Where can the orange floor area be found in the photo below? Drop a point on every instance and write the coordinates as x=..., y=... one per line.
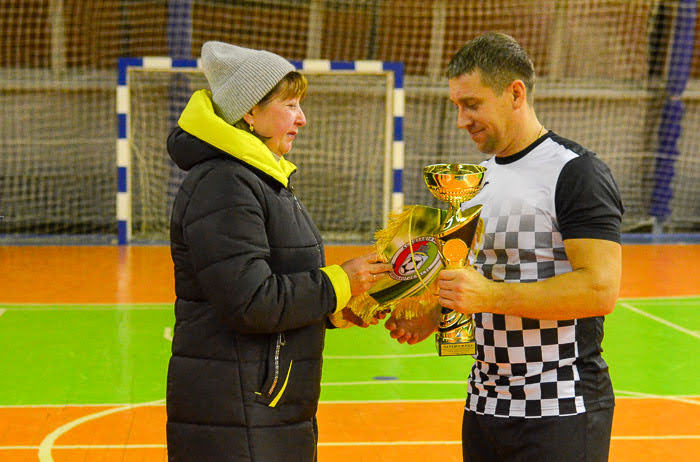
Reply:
x=644, y=430
x=144, y=274
x=390, y=432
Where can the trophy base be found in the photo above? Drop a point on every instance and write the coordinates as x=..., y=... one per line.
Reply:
x=455, y=349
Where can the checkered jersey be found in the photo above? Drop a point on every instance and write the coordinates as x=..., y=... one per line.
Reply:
x=526, y=367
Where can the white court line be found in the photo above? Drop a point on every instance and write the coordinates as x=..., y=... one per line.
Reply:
x=168, y=335
x=388, y=443
x=394, y=401
x=84, y=307
x=85, y=446
x=660, y=320
x=47, y=444
x=338, y=443
x=416, y=355
x=2, y=311
x=637, y=394
x=160, y=402
x=675, y=298
x=169, y=305
x=393, y=382
x=110, y=446
x=663, y=437
x=427, y=443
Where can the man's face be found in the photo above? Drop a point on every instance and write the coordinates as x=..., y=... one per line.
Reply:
x=483, y=113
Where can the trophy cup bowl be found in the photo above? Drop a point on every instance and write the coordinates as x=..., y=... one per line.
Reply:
x=454, y=184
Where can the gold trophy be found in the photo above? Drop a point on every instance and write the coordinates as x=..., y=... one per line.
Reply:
x=454, y=184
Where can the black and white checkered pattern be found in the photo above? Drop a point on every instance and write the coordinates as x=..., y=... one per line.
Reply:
x=524, y=367
x=520, y=244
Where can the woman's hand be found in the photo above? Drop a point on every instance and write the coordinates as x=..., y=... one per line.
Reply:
x=363, y=272
x=414, y=330
x=352, y=318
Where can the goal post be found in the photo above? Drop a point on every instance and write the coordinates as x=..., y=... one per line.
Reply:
x=350, y=155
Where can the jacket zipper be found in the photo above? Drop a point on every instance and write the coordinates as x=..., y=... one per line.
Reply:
x=296, y=201
x=281, y=341
x=291, y=189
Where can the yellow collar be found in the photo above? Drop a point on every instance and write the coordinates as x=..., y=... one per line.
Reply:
x=200, y=120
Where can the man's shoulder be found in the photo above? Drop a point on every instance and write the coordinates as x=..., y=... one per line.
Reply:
x=577, y=160
x=572, y=146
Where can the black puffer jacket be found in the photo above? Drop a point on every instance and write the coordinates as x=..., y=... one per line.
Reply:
x=252, y=300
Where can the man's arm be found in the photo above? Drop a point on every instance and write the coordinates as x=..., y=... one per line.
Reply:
x=590, y=289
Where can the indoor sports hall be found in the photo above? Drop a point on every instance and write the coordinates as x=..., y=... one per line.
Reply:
x=89, y=91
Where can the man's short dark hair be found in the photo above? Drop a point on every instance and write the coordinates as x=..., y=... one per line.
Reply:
x=498, y=57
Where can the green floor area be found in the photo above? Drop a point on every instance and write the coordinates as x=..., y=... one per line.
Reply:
x=101, y=354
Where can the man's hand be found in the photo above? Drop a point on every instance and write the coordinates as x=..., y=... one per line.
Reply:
x=591, y=289
x=414, y=330
x=464, y=290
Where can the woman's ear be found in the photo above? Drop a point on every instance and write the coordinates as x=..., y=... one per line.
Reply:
x=248, y=117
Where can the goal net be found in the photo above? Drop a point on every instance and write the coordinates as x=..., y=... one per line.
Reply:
x=621, y=77
x=342, y=154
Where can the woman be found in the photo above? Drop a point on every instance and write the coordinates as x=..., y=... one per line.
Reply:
x=253, y=294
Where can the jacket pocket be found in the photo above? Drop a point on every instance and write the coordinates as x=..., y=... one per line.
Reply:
x=278, y=372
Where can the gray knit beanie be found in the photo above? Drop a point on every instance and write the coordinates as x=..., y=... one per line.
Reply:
x=240, y=77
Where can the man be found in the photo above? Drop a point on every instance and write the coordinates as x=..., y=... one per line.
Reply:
x=548, y=273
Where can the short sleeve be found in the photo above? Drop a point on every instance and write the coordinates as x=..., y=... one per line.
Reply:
x=587, y=200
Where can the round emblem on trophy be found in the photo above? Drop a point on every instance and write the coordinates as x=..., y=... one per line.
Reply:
x=420, y=256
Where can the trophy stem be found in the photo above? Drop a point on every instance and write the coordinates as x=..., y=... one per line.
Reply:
x=455, y=334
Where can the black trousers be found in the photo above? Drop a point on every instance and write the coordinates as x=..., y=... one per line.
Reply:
x=578, y=438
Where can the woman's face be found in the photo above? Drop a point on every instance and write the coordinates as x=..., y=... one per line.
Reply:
x=278, y=122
